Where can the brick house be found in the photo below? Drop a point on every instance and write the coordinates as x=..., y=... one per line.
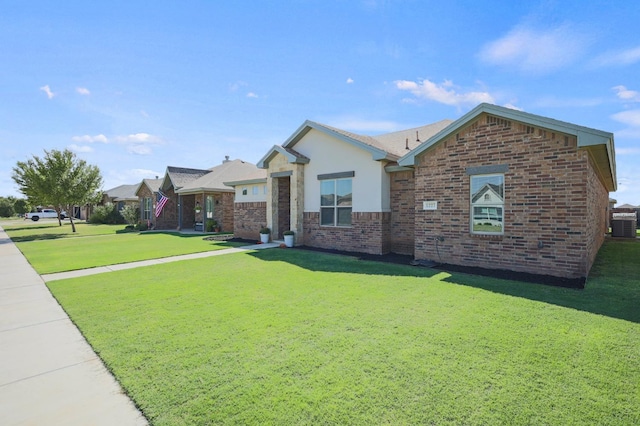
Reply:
x=497, y=188
x=198, y=195
x=121, y=196
x=147, y=194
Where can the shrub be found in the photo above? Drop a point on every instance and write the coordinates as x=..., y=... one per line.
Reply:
x=211, y=225
x=288, y=233
x=131, y=214
x=107, y=214
x=142, y=226
x=265, y=231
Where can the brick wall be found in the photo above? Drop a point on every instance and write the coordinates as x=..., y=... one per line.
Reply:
x=226, y=205
x=368, y=233
x=143, y=193
x=597, y=215
x=546, y=198
x=248, y=219
x=169, y=217
x=402, y=212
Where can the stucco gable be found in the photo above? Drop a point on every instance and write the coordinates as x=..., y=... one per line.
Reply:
x=600, y=144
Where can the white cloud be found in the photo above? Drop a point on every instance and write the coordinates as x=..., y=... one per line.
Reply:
x=627, y=151
x=512, y=106
x=237, y=85
x=349, y=80
x=90, y=139
x=139, y=149
x=144, y=113
x=535, y=50
x=46, y=89
x=619, y=58
x=251, y=95
x=138, y=138
x=80, y=148
x=444, y=93
x=83, y=91
x=626, y=95
x=630, y=118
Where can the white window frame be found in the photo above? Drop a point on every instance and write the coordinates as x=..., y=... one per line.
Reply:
x=494, y=209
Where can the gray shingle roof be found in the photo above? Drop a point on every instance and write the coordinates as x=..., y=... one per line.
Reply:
x=181, y=176
x=229, y=171
x=122, y=193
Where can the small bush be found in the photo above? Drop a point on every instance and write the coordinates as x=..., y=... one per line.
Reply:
x=211, y=225
x=265, y=231
x=107, y=215
x=131, y=214
x=142, y=226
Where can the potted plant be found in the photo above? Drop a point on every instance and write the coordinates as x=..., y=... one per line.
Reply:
x=288, y=238
x=264, y=234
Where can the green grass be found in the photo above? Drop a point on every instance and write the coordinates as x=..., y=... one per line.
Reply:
x=51, y=230
x=293, y=337
x=52, y=250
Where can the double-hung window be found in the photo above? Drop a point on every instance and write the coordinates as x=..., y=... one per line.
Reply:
x=146, y=208
x=487, y=204
x=335, y=202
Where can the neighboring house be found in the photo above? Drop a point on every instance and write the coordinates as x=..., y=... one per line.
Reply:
x=121, y=196
x=498, y=188
x=197, y=195
x=211, y=197
x=147, y=194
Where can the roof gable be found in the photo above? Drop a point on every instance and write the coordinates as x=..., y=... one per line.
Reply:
x=152, y=184
x=180, y=176
x=599, y=143
x=214, y=180
x=291, y=155
x=367, y=143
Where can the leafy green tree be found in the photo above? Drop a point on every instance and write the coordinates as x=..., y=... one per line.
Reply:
x=6, y=207
x=58, y=179
x=21, y=206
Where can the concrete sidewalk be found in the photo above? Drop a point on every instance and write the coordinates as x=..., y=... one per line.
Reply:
x=48, y=372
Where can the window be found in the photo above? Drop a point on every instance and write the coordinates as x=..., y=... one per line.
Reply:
x=335, y=202
x=487, y=204
x=254, y=190
x=244, y=191
x=264, y=189
x=209, y=206
x=146, y=208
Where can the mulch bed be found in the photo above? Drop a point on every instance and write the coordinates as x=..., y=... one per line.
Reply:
x=403, y=259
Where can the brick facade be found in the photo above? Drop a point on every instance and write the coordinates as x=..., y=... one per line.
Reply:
x=402, y=222
x=368, y=233
x=248, y=219
x=554, y=204
x=168, y=219
x=143, y=193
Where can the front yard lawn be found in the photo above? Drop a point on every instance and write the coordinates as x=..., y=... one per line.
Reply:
x=50, y=252
x=296, y=337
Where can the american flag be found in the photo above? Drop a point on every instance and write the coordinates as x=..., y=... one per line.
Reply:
x=161, y=201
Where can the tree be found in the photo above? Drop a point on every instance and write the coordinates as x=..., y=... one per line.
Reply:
x=59, y=179
x=6, y=207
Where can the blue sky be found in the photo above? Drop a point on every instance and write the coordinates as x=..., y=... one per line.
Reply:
x=134, y=86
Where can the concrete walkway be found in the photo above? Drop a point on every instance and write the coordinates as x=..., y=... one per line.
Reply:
x=121, y=266
x=48, y=372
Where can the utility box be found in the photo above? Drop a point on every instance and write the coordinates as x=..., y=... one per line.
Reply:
x=623, y=225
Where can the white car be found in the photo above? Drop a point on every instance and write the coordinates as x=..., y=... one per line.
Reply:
x=45, y=213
